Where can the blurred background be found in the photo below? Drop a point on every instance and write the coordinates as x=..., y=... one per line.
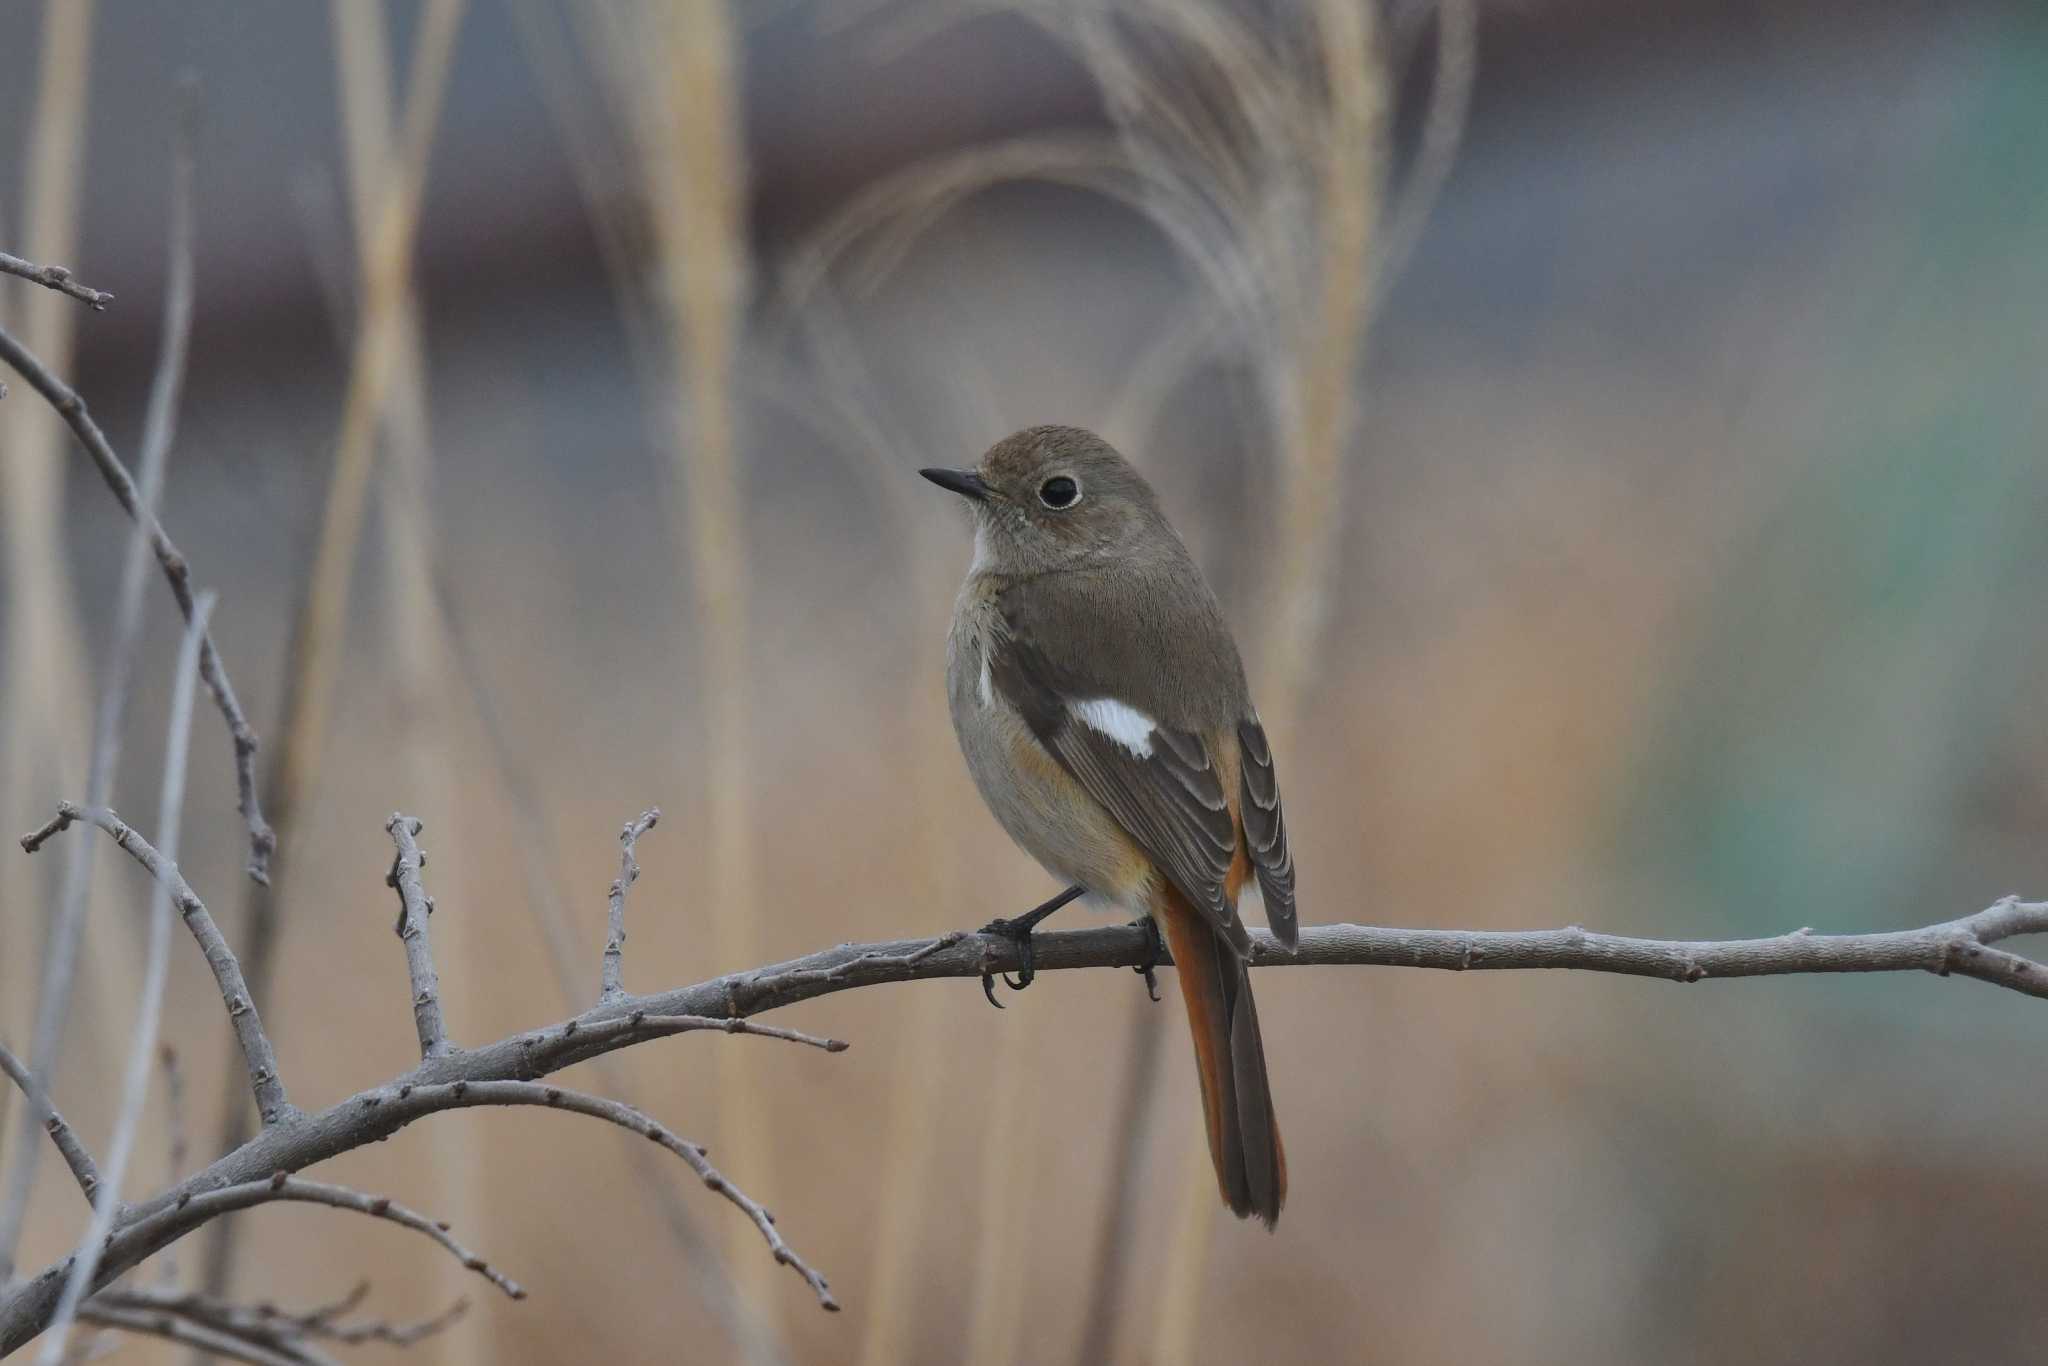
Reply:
x=1616, y=434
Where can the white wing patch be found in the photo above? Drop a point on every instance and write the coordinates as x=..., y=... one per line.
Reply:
x=1124, y=724
x=985, y=686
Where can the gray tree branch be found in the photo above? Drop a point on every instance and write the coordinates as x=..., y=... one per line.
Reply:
x=414, y=906
x=257, y=1052
x=257, y=1171
x=54, y=277
x=70, y=407
x=83, y=1168
x=613, y=984
x=265, y=1328
x=131, y=1313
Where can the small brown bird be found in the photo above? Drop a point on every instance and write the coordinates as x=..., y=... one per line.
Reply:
x=1102, y=708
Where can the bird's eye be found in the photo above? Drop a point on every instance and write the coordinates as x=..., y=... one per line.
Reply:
x=1059, y=492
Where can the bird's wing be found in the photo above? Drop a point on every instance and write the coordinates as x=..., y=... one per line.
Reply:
x=1157, y=779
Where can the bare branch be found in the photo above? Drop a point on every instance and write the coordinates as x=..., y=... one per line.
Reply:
x=319, y=1315
x=150, y=1004
x=629, y=873
x=267, y=1328
x=414, y=906
x=257, y=1052
x=131, y=1312
x=378, y=1330
x=69, y=406
x=1965, y=947
x=462, y=1094
x=182, y=1215
x=83, y=1169
x=57, y=278
x=640, y=1026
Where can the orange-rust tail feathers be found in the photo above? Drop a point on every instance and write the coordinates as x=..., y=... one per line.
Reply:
x=1237, y=1102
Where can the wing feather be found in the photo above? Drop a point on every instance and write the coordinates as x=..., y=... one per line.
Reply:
x=1265, y=829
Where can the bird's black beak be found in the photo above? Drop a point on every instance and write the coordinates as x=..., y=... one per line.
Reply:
x=966, y=483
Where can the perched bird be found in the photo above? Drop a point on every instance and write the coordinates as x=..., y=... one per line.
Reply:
x=1102, y=708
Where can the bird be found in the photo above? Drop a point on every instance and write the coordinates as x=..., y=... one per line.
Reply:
x=1102, y=708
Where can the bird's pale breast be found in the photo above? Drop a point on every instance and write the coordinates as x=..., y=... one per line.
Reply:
x=1044, y=810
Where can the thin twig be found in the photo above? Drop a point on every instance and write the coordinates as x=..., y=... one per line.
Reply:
x=283, y=1331
x=57, y=278
x=319, y=1314
x=69, y=406
x=392, y=1334
x=257, y=1052
x=150, y=1004
x=629, y=873
x=83, y=1169
x=639, y=1025
x=414, y=907
x=131, y=1313
x=463, y=1094
x=181, y=1216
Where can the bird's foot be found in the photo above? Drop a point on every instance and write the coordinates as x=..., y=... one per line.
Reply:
x=1155, y=950
x=1018, y=932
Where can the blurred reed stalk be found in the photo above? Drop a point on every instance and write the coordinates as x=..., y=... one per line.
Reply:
x=385, y=243
x=425, y=730
x=677, y=65
x=44, y=717
x=45, y=721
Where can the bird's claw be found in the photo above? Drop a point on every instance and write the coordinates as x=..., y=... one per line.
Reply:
x=1155, y=949
x=1018, y=932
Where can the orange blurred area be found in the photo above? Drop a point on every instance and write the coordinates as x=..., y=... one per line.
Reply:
x=1615, y=434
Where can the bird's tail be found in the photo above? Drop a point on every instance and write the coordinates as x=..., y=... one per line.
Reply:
x=1237, y=1102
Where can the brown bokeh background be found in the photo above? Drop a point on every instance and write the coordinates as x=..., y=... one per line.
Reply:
x=1649, y=541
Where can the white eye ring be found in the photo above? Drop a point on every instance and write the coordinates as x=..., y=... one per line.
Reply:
x=1072, y=490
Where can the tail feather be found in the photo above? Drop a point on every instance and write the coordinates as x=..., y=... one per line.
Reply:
x=1237, y=1100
